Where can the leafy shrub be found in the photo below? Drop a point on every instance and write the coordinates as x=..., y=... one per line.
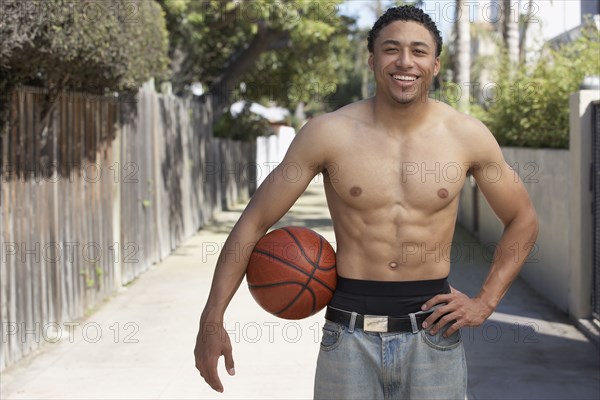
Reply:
x=93, y=46
x=529, y=106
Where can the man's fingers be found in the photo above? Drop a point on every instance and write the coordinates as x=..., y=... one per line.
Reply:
x=213, y=342
x=436, y=315
x=211, y=375
x=453, y=328
x=213, y=380
x=445, y=320
x=440, y=298
x=229, y=365
x=431, y=319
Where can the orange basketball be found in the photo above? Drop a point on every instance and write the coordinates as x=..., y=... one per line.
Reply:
x=291, y=272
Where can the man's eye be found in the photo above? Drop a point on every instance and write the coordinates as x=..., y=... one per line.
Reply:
x=390, y=50
x=420, y=51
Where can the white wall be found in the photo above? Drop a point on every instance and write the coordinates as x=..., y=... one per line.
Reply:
x=270, y=151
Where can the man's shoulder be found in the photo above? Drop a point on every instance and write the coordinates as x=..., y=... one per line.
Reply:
x=359, y=110
x=348, y=114
x=338, y=122
x=463, y=125
x=323, y=135
x=474, y=136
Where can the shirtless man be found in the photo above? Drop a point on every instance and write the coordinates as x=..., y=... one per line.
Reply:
x=393, y=168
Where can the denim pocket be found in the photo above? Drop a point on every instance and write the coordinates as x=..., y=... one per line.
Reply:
x=332, y=336
x=439, y=342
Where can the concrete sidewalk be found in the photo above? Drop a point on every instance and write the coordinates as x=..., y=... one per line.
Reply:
x=139, y=343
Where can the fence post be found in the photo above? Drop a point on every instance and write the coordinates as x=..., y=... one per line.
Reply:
x=580, y=235
x=116, y=217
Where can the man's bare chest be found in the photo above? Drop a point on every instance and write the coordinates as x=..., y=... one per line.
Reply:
x=424, y=175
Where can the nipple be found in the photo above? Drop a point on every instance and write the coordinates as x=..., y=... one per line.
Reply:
x=355, y=191
x=443, y=193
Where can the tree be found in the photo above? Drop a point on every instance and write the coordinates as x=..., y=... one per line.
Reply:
x=110, y=45
x=524, y=22
x=96, y=47
x=255, y=49
x=353, y=81
x=462, y=63
x=510, y=29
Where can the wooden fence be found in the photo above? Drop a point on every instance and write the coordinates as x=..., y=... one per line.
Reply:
x=95, y=196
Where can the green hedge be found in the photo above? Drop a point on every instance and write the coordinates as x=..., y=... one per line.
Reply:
x=93, y=46
x=529, y=106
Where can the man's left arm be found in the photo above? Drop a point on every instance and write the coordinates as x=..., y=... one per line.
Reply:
x=509, y=200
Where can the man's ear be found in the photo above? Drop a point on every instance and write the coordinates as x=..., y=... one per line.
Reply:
x=371, y=61
x=437, y=66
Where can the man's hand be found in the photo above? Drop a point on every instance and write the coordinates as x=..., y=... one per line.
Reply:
x=459, y=308
x=213, y=342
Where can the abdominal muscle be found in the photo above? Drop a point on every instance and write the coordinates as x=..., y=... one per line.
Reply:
x=389, y=244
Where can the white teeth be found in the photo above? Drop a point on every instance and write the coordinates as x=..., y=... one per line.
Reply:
x=404, y=78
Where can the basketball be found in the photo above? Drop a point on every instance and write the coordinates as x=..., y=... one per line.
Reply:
x=291, y=272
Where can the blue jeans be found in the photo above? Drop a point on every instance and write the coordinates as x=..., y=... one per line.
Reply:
x=354, y=364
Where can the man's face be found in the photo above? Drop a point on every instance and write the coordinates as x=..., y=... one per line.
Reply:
x=404, y=61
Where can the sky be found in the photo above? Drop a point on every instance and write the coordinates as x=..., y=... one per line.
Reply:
x=552, y=17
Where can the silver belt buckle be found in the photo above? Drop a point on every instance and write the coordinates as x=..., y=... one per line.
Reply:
x=375, y=323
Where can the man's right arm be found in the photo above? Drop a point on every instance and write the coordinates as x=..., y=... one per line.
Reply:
x=306, y=157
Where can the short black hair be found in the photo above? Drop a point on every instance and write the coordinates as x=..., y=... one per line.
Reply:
x=405, y=13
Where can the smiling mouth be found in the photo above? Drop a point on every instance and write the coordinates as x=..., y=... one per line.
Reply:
x=405, y=78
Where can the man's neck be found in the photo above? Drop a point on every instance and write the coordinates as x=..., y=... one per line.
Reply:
x=400, y=119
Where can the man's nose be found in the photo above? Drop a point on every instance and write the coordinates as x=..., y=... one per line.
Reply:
x=404, y=59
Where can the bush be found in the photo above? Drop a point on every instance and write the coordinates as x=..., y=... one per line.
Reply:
x=530, y=107
x=93, y=46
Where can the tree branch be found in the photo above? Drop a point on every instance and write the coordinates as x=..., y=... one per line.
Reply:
x=222, y=89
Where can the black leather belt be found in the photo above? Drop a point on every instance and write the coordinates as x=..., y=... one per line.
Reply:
x=378, y=323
